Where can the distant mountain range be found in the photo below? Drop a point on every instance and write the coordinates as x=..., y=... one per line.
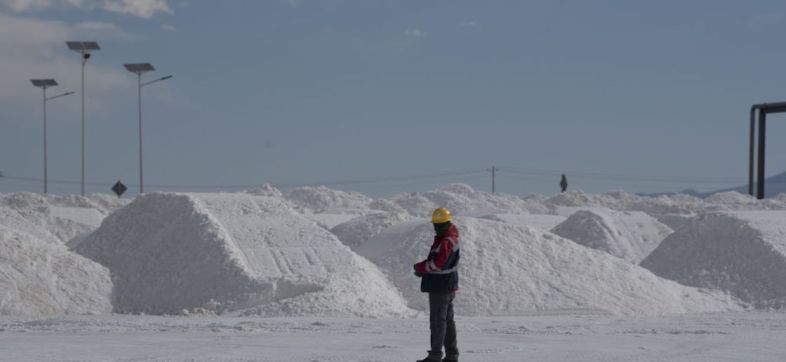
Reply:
x=772, y=187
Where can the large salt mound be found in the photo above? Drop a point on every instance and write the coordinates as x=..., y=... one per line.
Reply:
x=461, y=198
x=39, y=277
x=507, y=269
x=225, y=252
x=325, y=200
x=742, y=252
x=630, y=235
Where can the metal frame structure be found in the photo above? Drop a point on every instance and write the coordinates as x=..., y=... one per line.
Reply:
x=44, y=84
x=84, y=48
x=138, y=69
x=763, y=110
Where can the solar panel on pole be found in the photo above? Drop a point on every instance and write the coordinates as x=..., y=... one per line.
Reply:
x=41, y=83
x=84, y=48
x=139, y=67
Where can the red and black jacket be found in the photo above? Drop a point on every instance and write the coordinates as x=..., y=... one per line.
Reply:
x=440, y=269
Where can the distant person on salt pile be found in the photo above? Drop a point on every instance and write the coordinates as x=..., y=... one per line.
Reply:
x=563, y=183
x=439, y=273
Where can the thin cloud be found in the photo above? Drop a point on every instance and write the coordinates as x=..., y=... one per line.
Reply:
x=96, y=25
x=36, y=49
x=139, y=8
x=168, y=28
x=26, y=5
x=415, y=32
x=100, y=28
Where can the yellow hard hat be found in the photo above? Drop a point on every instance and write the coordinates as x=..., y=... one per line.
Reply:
x=441, y=215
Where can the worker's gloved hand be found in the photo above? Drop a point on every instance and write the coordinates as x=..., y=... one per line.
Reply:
x=418, y=274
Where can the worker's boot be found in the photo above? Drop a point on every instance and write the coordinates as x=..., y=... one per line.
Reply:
x=431, y=358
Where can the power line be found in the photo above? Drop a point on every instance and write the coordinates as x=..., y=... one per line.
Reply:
x=623, y=177
x=611, y=178
x=374, y=180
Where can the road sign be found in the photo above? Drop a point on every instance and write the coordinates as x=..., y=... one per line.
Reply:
x=119, y=188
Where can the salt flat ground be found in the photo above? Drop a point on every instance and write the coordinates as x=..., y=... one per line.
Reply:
x=567, y=336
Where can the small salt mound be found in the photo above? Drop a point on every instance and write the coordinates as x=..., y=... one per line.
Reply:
x=45, y=278
x=742, y=252
x=266, y=190
x=328, y=220
x=228, y=252
x=386, y=205
x=53, y=218
x=733, y=200
x=507, y=269
x=461, y=198
x=575, y=198
x=357, y=231
x=325, y=200
x=630, y=235
x=618, y=200
x=543, y=222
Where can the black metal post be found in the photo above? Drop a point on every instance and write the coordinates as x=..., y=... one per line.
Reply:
x=493, y=179
x=751, y=150
x=762, y=138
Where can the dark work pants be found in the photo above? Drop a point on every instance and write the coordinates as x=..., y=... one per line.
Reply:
x=443, y=328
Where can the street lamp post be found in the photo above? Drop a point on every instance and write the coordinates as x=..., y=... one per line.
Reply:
x=138, y=69
x=44, y=84
x=84, y=48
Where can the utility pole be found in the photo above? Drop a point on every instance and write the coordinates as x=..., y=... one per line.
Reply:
x=84, y=48
x=493, y=179
x=44, y=84
x=138, y=69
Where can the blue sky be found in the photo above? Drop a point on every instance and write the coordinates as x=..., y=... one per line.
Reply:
x=633, y=95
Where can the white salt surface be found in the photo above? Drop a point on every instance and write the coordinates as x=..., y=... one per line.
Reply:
x=630, y=235
x=508, y=269
x=559, y=337
x=232, y=252
x=742, y=252
x=45, y=278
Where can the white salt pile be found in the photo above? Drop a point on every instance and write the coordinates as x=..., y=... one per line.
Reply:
x=325, y=200
x=52, y=218
x=357, y=231
x=39, y=277
x=507, y=269
x=630, y=235
x=570, y=201
x=229, y=252
x=742, y=252
x=543, y=222
x=460, y=198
